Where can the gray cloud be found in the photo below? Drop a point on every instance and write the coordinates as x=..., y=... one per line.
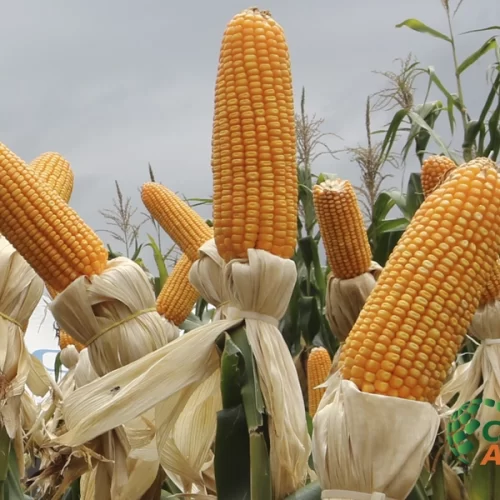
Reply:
x=114, y=85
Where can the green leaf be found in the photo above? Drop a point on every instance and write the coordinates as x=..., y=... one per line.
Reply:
x=469, y=61
x=311, y=491
x=418, y=492
x=385, y=244
x=392, y=225
x=400, y=201
x=159, y=261
x=57, y=366
x=438, y=483
x=494, y=130
x=309, y=318
x=417, y=119
x=489, y=28
x=232, y=468
x=382, y=206
x=414, y=194
x=232, y=368
x=392, y=131
x=419, y=26
x=307, y=247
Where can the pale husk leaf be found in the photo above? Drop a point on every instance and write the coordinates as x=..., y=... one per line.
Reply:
x=259, y=290
x=345, y=299
x=206, y=275
x=20, y=292
x=185, y=443
x=142, y=384
x=122, y=300
x=371, y=443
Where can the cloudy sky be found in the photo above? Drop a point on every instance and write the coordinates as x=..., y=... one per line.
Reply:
x=114, y=85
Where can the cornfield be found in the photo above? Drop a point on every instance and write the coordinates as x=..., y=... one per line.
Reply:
x=254, y=368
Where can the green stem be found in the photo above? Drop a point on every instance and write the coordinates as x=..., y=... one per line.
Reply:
x=4, y=460
x=463, y=112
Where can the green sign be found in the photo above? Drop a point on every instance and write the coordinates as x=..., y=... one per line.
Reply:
x=463, y=424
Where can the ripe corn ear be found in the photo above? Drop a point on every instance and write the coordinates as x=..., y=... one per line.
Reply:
x=433, y=170
x=56, y=172
x=50, y=235
x=188, y=230
x=492, y=290
x=177, y=297
x=318, y=368
x=342, y=228
x=65, y=340
x=414, y=321
x=254, y=166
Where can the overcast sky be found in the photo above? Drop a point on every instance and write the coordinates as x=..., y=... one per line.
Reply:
x=114, y=85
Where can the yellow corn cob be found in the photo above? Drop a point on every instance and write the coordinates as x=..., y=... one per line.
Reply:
x=318, y=368
x=342, y=228
x=56, y=172
x=65, y=340
x=492, y=290
x=433, y=169
x=52, y=291
x=253, y=143
x=188, y=230
x=50, y=235
x=413, y=323
x=177, y=297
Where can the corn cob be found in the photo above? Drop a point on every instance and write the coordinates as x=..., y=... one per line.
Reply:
x=50, y=235
x=433, y=170
x=65, y=340
x=188, y=230
x=342, y=228
x=413, y=323
x=318, y=368
x=177, y=297
x=492, y=290
x=56, y=172
x=254, y=167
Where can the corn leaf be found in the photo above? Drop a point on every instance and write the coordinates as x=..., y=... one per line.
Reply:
x=392, y=131
x=489, y=28
x=159, y=261
x=414, y=194
x=438, y=483
x=469, y=61
x=253, y=403
x=309, y=318
x=393, y=225
x=417, y=119
x=419, y=26
x=311, y=491
x=418, y=492
x=493, y=126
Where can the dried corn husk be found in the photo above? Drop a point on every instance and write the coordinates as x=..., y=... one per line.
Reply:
x=261, y=287
x=114, y=314
x=259, y=290
x=481, y=375
x=20, y=292
x=369, y=443
x=142, y=386
x=206, y=275
x=345, y=299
